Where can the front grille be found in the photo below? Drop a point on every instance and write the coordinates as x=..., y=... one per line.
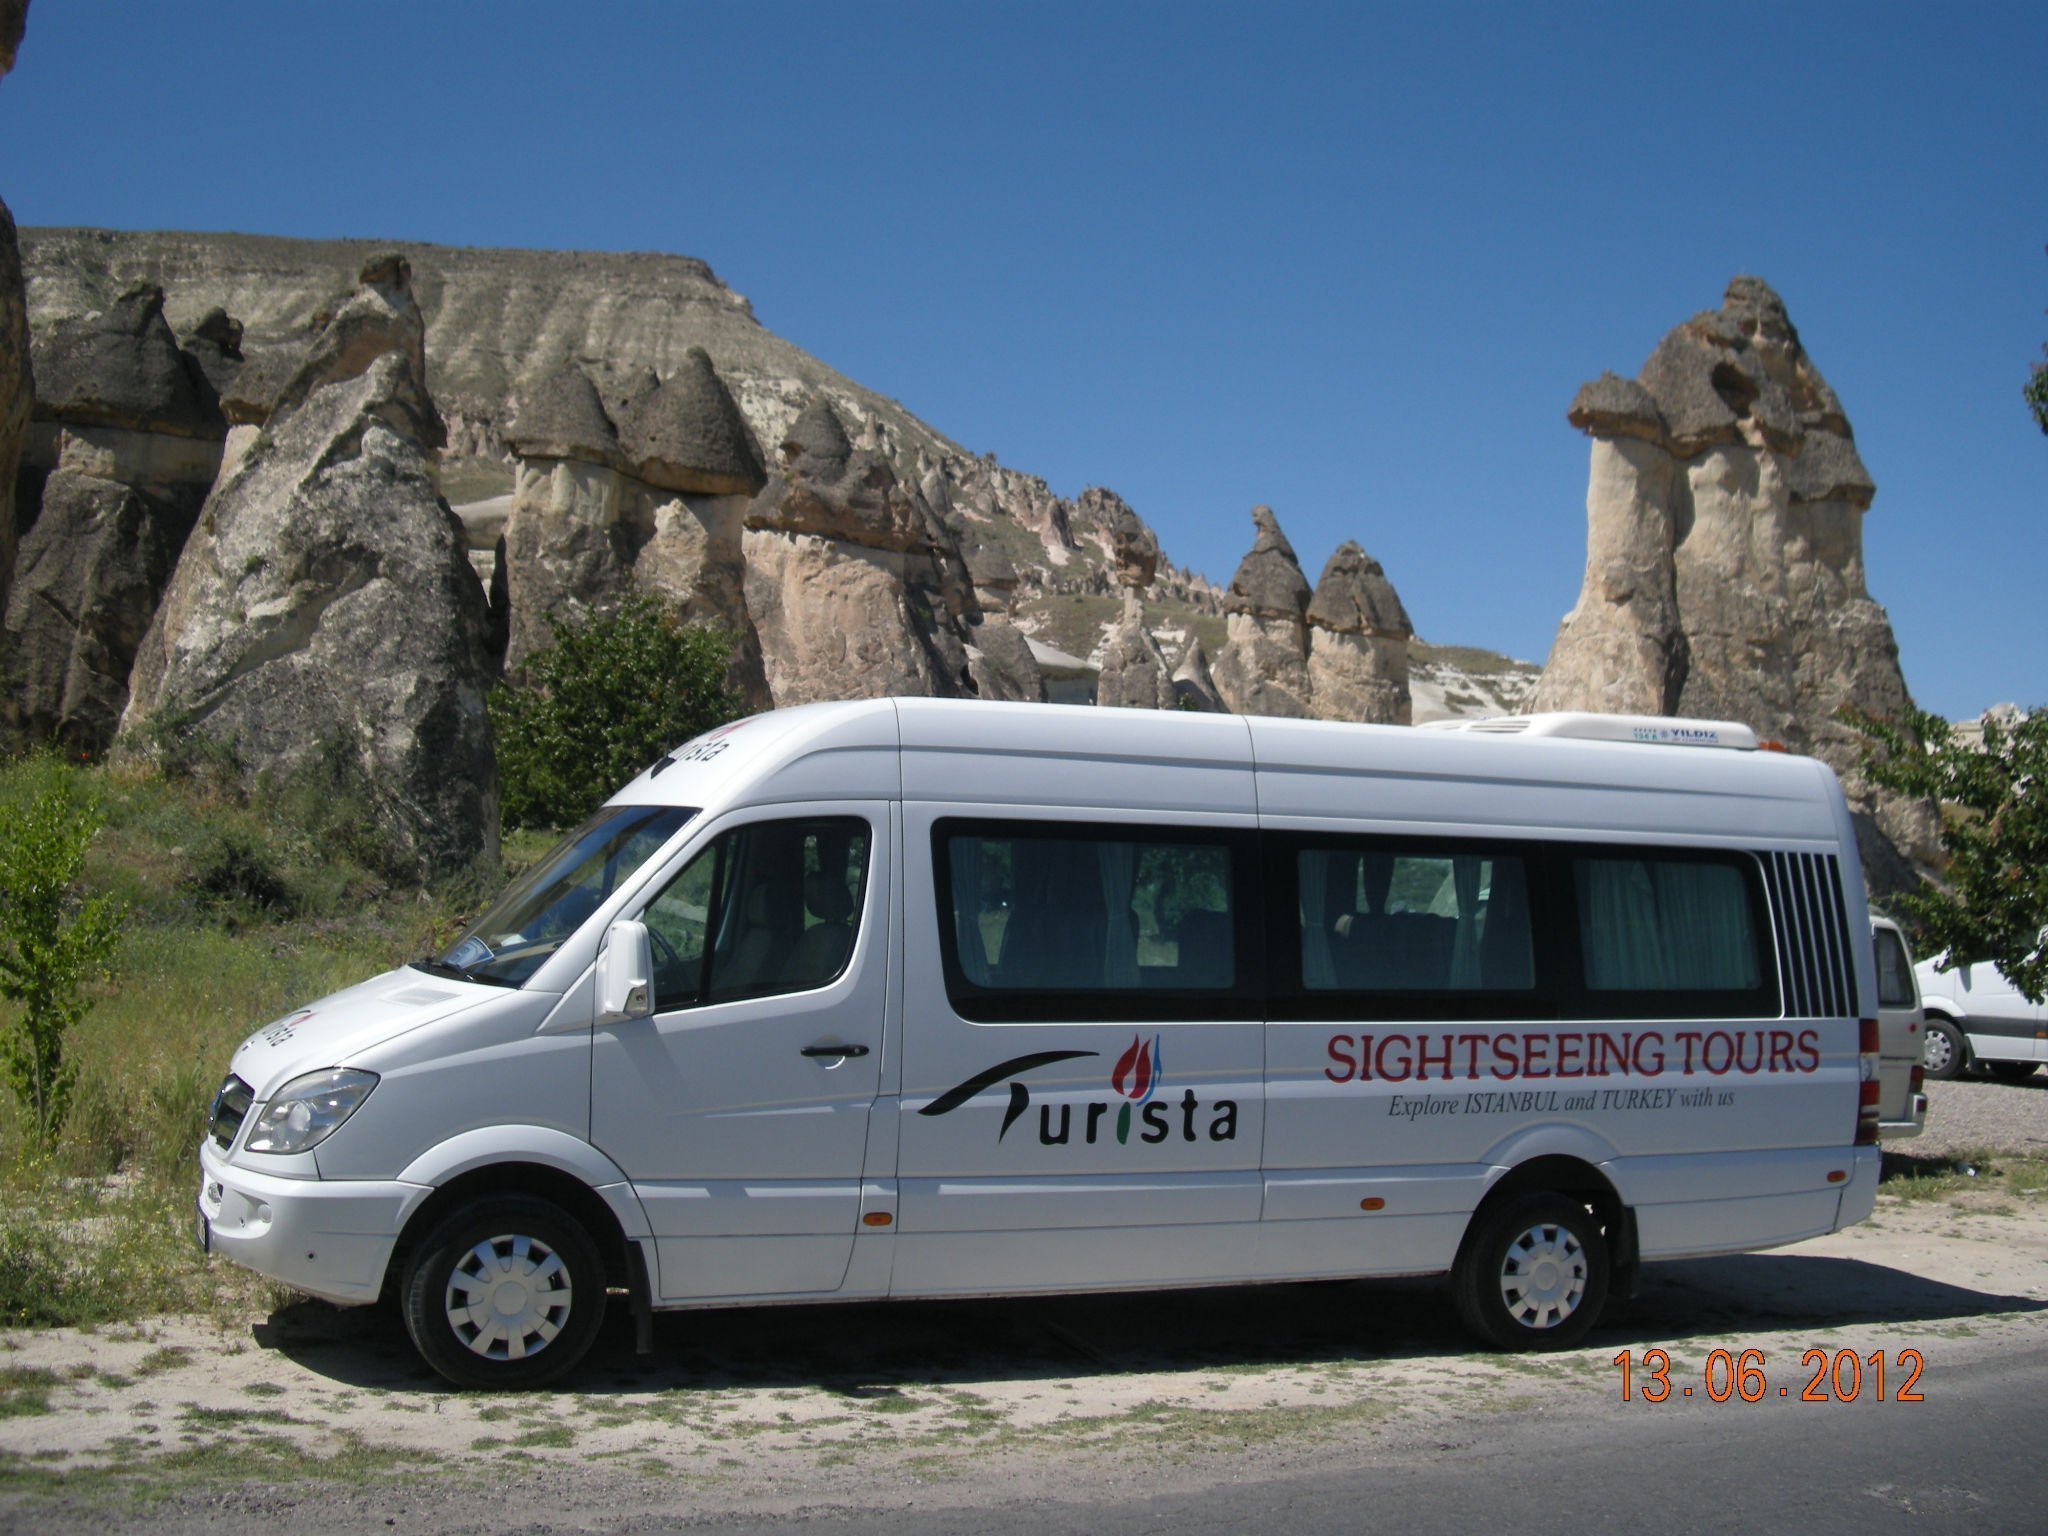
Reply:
x=230, y=1108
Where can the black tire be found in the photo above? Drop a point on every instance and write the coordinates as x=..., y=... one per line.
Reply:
x=548, y=1299
x=2010, y=1071
x=1944, y=1053
x=1532, y=1274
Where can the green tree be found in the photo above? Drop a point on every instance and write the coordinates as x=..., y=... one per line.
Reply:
x=51, y=943
x=2037, y=393
x=601, y=703
x=1994, y=828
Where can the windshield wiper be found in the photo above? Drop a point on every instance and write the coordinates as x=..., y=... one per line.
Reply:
x=443, y=968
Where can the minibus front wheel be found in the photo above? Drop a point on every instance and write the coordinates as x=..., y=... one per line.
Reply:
x=1533, y=1273
x=506, y=1293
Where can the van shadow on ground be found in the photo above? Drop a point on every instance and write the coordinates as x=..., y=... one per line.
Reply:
x=868, y=1350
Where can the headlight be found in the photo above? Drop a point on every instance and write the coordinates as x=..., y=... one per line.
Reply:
x=307, y=1110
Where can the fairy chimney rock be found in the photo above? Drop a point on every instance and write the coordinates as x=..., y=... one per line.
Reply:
x=1358, y=643
x=1724, y=557
x=1263, y=667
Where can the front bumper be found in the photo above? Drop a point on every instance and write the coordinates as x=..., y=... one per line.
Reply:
x=329, y=1238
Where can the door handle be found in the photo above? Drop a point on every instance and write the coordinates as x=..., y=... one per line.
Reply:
x=840, y=1052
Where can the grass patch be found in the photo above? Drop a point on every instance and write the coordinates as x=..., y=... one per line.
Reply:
x=1976, y=1171
x=25, y=1391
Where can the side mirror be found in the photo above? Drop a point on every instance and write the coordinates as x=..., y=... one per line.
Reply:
x=625, y=974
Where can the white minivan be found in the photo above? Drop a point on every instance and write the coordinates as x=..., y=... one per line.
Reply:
x=1977, y=1017
x=1902, y=1100
x=908, y=997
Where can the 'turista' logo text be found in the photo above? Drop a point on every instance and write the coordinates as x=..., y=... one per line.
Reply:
x=1135, y=1080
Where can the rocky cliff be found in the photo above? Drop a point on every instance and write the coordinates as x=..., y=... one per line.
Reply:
x=501, y=325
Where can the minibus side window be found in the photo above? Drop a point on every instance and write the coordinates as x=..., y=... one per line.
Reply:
x=1412, y=919
x=768, y=908
x=1672, y=935
x=1053, y=921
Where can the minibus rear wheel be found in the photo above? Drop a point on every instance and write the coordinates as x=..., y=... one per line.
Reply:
x=506, y=1293
x=1533, y=1273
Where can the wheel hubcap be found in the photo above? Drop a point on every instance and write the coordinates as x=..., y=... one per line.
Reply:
x=1934, y=1051
x=508, y=1297
x=1543, y=1278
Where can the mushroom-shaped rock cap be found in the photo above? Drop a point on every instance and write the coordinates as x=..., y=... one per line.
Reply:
x=1611, y=406
x=687, y=434
x=561, y=417
x=1724, y=376
x=1355, y=598
x=1268, y=583
x=816, y=445
x=123, y=368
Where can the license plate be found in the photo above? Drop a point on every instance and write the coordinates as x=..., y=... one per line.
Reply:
x=202, y=1229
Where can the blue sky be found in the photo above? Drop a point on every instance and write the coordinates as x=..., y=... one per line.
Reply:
x=1352, y=261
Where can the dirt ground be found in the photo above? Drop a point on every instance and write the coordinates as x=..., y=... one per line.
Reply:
x=328, y=1416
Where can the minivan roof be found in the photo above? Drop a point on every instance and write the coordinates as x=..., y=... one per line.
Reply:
x=1152, y=762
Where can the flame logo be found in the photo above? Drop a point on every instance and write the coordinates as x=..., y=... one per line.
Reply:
x=1136, y=1072
x=1135, y=1077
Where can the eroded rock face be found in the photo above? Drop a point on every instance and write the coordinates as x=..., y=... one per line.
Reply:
x=1193, y=687
x=124, y=446
x=17, y=382
x=1358, y=643
x=17, y=392
x=324, y=609
x=1263, y=667
x=586, y=525
x=1135, y=673
x=1724, y=571
x=847, y=575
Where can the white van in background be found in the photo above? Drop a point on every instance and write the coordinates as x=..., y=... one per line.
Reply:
x=924, y=998
x=1977, y=1018
x=1902, y=1103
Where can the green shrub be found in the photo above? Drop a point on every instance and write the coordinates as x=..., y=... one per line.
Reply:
x=51, y=943
x=600, y=704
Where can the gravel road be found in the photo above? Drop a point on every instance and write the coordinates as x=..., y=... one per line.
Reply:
x=1972, y=1113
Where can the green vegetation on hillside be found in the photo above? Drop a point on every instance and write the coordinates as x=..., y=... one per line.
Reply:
x=236, y=908
x=605, y=700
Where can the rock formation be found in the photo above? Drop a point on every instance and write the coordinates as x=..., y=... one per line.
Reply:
x=1337, y=653
x=324, y=614
x=1358, y=643
x=1724, y=568
x=1193, y=686
x=125, y=444
x=655, y=502
x=17, y=381
x=1135, y=673
x=1263, y=667
x=857, y=588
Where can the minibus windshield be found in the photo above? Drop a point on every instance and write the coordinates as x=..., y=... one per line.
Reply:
x=551, y=901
